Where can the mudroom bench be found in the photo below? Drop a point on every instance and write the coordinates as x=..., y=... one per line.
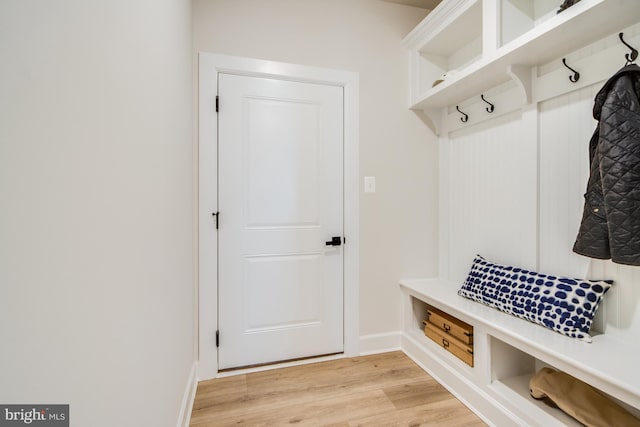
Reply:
x=507, y=351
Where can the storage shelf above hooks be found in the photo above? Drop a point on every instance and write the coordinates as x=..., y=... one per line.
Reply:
x=577, y=26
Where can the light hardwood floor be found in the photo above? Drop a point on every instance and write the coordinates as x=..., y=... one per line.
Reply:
x=381, y=390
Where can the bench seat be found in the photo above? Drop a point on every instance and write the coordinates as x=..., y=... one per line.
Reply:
x=608, y=363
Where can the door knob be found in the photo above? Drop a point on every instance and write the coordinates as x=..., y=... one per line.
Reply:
x=335, y=241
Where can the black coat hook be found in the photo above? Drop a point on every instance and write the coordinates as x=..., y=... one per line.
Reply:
x=466, y=116
x=630, y=57
x=576, y=75
x=491, y=107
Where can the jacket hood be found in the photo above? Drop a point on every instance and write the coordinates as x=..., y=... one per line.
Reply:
x=631, y=69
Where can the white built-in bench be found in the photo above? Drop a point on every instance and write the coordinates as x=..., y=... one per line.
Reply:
x=507, y=352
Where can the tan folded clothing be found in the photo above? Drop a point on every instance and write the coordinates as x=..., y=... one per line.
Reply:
x=579, y=400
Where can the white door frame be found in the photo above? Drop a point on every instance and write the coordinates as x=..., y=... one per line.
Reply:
x=209, y=66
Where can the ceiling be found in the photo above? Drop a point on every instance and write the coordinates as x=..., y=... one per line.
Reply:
x=425, y=4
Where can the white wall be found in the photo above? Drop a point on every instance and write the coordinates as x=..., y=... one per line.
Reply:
x=398, y=223
x=96, y=262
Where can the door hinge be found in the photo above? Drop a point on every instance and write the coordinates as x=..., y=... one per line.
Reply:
x=217, y=339
x=216, y=215
x=217, y=103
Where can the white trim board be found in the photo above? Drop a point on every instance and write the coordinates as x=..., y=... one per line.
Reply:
x=380, y=343
x=210, y=65
x=184, y=416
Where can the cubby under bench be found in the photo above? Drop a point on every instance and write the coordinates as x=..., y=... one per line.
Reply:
x=507, y=352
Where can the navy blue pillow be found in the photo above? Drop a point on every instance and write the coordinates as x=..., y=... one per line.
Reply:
x=560, y=303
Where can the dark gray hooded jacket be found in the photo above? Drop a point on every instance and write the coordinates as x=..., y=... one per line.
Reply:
x=610, y=225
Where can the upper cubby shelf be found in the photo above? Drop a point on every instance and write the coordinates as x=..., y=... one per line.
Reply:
x=479, y=44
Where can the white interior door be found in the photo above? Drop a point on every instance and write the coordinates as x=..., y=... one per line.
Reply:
x=280, y=200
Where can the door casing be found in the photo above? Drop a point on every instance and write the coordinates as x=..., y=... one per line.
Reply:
x=210, y=65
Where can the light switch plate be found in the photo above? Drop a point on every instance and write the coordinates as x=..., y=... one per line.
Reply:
x=369, y=184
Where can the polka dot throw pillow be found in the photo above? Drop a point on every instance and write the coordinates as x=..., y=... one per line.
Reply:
x=563, y=304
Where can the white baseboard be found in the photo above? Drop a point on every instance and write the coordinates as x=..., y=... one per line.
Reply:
x=184, y=417
x=380, y=343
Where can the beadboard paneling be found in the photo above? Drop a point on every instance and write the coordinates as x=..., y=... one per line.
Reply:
x=512, y=186
x=492, y=194
x=620, y=311
x=565, y=128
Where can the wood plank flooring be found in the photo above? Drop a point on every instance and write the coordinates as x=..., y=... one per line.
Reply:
x=381, y=390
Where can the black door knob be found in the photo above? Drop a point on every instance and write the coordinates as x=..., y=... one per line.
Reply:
x=335, y=241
